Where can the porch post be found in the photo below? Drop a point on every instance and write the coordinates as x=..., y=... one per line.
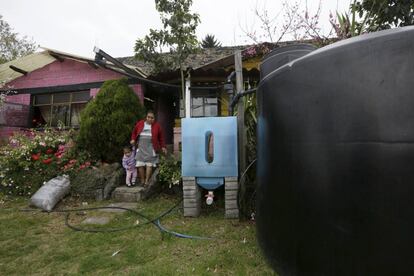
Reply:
x=187, y=97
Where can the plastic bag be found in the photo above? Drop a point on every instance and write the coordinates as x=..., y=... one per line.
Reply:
x=51, y=193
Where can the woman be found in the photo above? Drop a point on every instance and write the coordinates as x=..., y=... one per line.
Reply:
x=150, y=141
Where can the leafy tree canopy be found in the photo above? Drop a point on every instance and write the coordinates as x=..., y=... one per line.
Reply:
x=385, y=14
x=210, y=42
x=178, y=35
x=11, y=46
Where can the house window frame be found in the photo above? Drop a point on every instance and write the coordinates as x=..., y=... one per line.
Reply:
x=205, y=95
x=51, y=103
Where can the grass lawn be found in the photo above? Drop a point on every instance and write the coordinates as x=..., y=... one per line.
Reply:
x=39, y=243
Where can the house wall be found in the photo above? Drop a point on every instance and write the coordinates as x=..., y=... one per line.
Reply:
x=68, y=72
x=63, y=73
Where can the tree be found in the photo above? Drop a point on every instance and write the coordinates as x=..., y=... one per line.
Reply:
x=178, y=36
x=385, y=14
x=298, y=22
x=107, y=121
x=210, y=42
x=11, y=46
x=349, y=24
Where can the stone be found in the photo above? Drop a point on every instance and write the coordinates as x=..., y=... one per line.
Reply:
x=98, y=182
x=115, y=179
x=127, y=194
x=96, y=220
x=154, y=187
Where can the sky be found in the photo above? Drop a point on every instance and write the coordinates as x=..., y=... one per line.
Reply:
x=76, y=26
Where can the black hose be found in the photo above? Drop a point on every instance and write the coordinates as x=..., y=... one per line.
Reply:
x=155, y=221
x=75, y=228
x=241, y=94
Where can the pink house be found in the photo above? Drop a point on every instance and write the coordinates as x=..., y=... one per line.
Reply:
x=54, y=86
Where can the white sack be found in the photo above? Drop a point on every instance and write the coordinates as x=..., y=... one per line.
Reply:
x=51, y=193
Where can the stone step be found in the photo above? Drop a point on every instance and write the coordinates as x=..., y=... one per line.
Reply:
x=127, y=194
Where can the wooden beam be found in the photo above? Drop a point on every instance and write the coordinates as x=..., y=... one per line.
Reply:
x=61, y=59
x=242, y=139
x=21, y=71
x=65, y=88
x=93, y=65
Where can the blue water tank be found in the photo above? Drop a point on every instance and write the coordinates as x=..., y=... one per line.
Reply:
x=209, y=148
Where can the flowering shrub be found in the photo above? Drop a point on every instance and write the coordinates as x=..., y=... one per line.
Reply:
x=170, y=170
x=34, y=157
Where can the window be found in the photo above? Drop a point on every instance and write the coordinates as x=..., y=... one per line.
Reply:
x=65, y=107
x=204, y=104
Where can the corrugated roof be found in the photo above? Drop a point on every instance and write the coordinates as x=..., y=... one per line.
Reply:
x=27, y=63
x=202, y=57
x=38, y=60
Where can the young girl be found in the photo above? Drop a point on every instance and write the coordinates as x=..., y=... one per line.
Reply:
x=128, y=162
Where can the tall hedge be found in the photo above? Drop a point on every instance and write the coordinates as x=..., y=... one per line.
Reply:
x=107, y=121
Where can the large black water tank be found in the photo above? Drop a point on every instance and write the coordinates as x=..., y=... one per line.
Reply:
x=336, y=159
x=281, y=56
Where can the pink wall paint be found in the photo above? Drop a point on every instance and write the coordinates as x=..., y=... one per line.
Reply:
x=20, y=99
x=59, y=73
x=63, y=73
x=138, y=91
x=137, y=88
x=94, y=91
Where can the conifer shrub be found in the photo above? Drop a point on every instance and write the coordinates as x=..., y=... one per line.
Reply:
x=107, y=121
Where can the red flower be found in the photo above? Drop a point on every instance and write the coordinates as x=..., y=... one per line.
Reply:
x=47, y=161
x=49, y=151
x=36, y=156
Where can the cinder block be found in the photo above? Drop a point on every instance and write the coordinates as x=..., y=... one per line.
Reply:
x=231, y=194
x=191, y=200
x=191, y=212
x=192, y=205
x=188, y=178
x=231, y=178
x=231, y=204
x=231, y=185
x=189, y=187
x=232, y=213
x=188, y=193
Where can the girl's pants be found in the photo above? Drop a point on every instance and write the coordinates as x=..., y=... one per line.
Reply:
x=131, y=176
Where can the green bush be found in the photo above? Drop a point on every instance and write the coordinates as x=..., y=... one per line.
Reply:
x=107, y=121
x=170, y=170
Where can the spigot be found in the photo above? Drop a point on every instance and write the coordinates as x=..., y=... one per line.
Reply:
x=209, y=197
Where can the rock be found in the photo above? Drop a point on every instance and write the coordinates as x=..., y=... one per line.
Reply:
x=98, y=183
x=116, y=179
x=127, y=194
x=87, y=183
x=154, y=186
x=96, y=220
